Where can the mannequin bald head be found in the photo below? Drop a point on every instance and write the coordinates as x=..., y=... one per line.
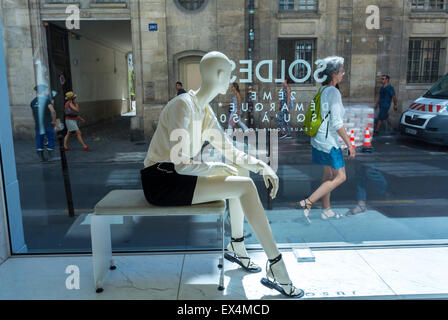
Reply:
x=215, y=70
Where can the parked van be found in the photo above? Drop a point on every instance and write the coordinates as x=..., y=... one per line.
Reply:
x=427, y=117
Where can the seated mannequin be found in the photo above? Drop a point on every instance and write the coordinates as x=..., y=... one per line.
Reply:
x=171, y=178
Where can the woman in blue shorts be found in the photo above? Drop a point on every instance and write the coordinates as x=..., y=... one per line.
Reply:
x=326, y=150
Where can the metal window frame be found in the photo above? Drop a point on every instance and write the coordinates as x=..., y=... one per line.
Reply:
x=305, y=51
x=418, y=59
x=284, y=5
x=429, y=5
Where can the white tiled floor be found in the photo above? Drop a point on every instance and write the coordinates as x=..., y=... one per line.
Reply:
x=366, y=274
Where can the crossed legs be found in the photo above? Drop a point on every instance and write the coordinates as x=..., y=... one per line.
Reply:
x=244, y=201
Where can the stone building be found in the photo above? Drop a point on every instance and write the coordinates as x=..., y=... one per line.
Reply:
x=167, y=39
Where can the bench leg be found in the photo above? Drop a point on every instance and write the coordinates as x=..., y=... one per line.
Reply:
x=101, y=249
x=221, y=277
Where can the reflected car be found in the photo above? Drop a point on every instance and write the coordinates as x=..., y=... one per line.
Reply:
x=427, y=117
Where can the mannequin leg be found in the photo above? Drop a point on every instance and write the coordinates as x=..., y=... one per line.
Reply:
x=237, y=221
x=243, y=189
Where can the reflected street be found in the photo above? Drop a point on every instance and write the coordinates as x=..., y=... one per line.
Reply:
x=403, y=183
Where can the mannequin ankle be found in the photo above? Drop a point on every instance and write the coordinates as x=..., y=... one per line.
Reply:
x=276, y=259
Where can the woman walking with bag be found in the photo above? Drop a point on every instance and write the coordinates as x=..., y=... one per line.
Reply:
x=235, y=109
x=326, y=150
x=71, y=120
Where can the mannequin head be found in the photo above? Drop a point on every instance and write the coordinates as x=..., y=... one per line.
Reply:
x=215, y=70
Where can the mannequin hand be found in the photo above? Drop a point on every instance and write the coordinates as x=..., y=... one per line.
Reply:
x=222, y=169
x=269, y=176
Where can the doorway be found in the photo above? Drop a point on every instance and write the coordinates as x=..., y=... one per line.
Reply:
x=59, y=65
x=189, y=73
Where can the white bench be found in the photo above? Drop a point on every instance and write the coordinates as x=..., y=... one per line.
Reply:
x=133, y=203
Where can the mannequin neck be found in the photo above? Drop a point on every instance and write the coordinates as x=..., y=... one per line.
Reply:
x=205, y=95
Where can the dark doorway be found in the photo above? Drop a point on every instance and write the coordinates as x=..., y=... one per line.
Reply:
x=59, y=63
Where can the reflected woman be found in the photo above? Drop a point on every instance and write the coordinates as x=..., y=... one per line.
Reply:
x=326, y=150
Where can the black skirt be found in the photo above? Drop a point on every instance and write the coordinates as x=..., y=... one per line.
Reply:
x=163, y=186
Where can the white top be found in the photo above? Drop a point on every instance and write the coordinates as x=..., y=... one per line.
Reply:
x=331, y=100
x=199, y=125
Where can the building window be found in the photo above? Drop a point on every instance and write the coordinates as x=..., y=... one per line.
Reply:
x=298, y=5
x=424, y=60
x=297, y=49
x=191, y=4
x=429, y=5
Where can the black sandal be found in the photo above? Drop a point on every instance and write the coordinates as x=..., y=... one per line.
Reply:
x=274, y=284
x=233, y=257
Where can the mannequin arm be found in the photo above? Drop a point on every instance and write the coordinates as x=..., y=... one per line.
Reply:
x=179, y=121
x=238, y=157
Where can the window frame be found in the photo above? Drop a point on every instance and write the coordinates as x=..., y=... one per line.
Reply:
x=180, y=6
x=417, y=64
x=297, y=4
x=311, y=81
x=425, y=5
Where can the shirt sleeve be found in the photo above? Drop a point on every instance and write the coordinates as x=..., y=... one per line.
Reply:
x=392, y=91
x=222, y=143
x=336, y=109
x=180, y=151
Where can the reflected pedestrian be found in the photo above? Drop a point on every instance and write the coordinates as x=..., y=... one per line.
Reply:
x=44, y=121
x=387, y=94
x=71, y=110
x=179, y=88
x=367, y=174
x=326, y=150
x=235, y=109
x=285, y=107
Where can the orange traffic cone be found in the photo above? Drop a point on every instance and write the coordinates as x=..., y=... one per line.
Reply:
x=352, y=139
x=367, y=147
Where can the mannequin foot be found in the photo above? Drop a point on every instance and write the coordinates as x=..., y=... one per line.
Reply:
x=329, y=214
x=238, y=254
x=277, y=278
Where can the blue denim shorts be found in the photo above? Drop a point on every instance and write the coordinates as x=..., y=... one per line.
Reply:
x=334, y=159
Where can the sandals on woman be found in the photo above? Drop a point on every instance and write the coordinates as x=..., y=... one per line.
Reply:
x=306, y=206
x=244, y=262
x=286, y=289
x=358, y=209
x=329, y=214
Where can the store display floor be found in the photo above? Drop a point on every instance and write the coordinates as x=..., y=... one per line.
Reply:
x=392, y=273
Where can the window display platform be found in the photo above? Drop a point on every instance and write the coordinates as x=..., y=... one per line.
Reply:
x=393, y=273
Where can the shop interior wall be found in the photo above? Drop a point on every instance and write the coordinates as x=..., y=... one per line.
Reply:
x=100, y=79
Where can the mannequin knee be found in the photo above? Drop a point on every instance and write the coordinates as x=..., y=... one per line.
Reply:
x=247, y=185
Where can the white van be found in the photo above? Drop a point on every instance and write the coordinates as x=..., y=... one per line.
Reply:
x=427, y=117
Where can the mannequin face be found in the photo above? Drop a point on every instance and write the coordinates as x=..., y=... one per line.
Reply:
x=216, y=71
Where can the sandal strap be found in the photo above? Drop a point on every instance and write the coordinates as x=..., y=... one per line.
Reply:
x=236, y=255
x=250, y=263
x=275, y=260
x=236, y=240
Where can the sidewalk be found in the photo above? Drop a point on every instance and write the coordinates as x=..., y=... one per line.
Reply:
x=393, y=273
x=109, y=140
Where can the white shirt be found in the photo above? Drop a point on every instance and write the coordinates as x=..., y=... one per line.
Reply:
x=197, y=124
x=331, y=101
